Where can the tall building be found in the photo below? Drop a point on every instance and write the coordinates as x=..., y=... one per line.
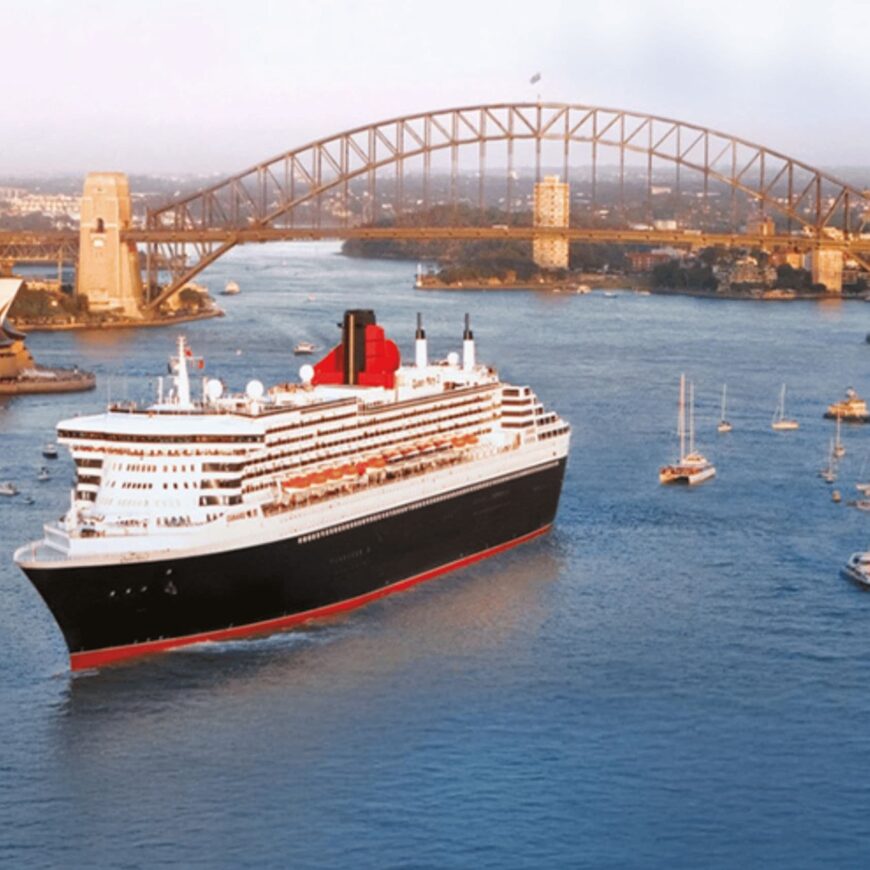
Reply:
x=552, y=209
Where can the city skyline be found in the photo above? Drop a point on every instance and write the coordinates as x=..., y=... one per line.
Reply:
x=213, y=89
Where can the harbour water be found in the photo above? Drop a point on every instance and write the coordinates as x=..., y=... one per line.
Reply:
x=671, y=678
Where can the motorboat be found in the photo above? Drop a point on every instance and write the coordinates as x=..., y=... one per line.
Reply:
x=692, y=467
x=8, y=488
x=857, y=568
x=303, y=348
x=43, y=474
x=231, y=288
x=49, y=450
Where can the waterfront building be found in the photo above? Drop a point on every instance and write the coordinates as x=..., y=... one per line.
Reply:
x=14, y=356
x=551, y=209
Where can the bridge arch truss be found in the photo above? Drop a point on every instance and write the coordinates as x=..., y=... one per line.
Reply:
x=334, y=182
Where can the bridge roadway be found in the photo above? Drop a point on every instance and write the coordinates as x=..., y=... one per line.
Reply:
x=28, y=245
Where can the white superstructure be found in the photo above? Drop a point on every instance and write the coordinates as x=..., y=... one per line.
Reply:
x=199, y=470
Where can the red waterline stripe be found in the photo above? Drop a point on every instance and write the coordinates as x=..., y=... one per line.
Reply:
x=97, y=658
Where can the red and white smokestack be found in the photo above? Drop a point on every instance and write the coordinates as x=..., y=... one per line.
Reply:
x=421, y=354
x=468, y=360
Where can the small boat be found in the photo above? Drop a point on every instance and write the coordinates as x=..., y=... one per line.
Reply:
x=642, y=293
x=835, y=496
x=43, y=474
x=723, y=424
x=303, y=348
x=829, y=472
x=857, y=568
x=838, y=450
x=853, y=409
x=609, y=294
x=231, y=289
x=582, y=289
x=780, y=422
x=863, y=504
x=49, y=450
x=692, y=467
x=8, y=488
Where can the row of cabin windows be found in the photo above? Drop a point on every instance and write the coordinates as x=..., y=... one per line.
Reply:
x=158, y=439
x=429, y=411
x=255, y=467
x=258, y=470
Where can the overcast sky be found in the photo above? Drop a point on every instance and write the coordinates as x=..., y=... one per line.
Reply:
x=213, y=86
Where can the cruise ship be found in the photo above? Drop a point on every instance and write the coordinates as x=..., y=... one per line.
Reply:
x=223, y=515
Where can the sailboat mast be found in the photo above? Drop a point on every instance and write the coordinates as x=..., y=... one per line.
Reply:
x=724, y=388
x=691, y=416
x=681, y=416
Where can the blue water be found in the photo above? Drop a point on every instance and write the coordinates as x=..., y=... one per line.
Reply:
x=671, y=678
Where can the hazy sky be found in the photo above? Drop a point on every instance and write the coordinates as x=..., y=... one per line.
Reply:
x=213, y=86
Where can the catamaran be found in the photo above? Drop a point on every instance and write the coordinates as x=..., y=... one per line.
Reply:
x=693, y=467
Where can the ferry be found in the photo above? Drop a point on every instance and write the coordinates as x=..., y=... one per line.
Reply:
x=215, y=517
x=853, y=409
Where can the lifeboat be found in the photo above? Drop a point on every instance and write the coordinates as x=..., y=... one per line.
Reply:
x=377, y=462
x=471, y=439
x=295, y=483
x=348, y=470
x=318, y=478
x=334, y=474
x=362, y=468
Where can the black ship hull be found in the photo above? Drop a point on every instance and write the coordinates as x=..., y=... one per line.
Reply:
x=112, y=612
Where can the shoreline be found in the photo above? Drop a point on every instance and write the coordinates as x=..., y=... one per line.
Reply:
x=116, y=324
x=59, y=381
x=643, y=284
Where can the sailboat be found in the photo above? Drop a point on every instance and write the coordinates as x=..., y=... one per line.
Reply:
x=839, y=449
x=829, y=472
x=723, y=425
x=780, y=422
x=692, y=467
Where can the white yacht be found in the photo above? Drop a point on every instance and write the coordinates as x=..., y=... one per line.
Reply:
x=723, y=425
x=857, y=568
x=780, y=422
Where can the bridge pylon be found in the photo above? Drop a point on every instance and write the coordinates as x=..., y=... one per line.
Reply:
x=108, y=269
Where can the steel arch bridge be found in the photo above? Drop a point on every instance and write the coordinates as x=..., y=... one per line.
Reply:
x=286, y=195
x=341, y=186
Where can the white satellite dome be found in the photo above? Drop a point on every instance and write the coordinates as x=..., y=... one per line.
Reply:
x=254, y=390
x=306, y=373
x=214, y=389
